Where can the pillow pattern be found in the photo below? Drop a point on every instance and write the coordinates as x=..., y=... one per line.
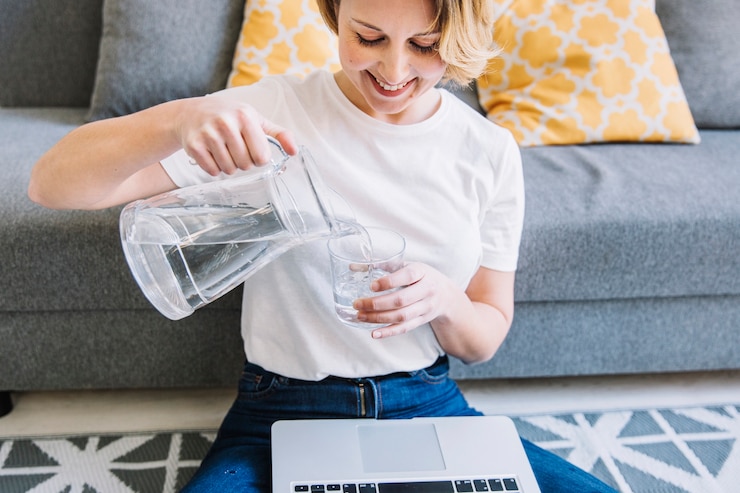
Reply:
x=282, y=37
x=580, y=71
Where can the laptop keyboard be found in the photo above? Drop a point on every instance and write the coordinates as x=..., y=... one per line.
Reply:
x=508, y=484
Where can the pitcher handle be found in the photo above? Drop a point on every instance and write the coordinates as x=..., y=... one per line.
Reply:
x=278, y=164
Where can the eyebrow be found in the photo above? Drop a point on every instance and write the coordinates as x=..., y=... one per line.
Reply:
x=374, y=28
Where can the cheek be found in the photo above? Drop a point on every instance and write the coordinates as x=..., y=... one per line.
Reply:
x=432, y=67
x=350, y=56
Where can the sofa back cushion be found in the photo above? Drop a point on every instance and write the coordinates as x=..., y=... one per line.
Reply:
x=49, y=51
x=705, y=45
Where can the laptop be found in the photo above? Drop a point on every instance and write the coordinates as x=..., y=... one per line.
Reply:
x=420, y=455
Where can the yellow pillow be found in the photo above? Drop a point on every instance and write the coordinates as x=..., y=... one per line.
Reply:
x=282, y=37
x=581, y=71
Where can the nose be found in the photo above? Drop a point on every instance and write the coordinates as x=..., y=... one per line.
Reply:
x=394, y=64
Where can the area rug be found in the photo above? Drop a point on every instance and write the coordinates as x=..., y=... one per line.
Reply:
x=685, y=450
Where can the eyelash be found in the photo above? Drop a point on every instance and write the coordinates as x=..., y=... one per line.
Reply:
x=424, y=50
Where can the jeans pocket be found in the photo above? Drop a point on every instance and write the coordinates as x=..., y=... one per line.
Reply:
x=256, y=382
x=437, y=373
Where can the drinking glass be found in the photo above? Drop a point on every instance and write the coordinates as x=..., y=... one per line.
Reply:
x=356, y=261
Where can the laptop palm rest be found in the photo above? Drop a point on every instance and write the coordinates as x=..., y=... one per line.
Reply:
x=400, y=448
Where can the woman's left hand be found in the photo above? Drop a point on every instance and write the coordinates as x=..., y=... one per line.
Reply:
x=469, y=324
x=422, y=298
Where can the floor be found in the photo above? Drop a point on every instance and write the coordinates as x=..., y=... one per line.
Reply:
x=52, y=413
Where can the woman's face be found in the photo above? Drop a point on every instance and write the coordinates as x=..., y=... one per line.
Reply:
x=389, y=58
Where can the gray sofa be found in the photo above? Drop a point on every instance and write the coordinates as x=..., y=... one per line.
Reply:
x=630, y=259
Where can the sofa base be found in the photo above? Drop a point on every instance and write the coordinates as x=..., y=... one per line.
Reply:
x=95, y=349
x=109, y=349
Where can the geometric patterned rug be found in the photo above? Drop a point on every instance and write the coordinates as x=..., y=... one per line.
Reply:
x=688, y=450
x=682, y=450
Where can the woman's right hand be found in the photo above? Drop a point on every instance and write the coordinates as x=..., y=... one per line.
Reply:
x=224, y=135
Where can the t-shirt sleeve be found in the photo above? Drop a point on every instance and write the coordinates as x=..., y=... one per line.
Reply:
x=501, y=227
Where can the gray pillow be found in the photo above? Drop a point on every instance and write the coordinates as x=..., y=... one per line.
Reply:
x=156, y=51
x=705, y=45
x=49, y=51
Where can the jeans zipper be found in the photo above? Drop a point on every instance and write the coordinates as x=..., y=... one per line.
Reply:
x=363, y=407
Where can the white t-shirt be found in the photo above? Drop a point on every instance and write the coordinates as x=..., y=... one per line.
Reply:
x=451, y=185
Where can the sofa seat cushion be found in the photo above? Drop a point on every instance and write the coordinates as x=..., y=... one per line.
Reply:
x=617, y=221
x=57, y=260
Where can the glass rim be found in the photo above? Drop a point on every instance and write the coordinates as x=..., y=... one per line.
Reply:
x=332, y=244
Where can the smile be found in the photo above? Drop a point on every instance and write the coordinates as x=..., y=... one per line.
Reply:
x=390, y=88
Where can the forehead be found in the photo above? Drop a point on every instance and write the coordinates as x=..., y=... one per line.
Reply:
x=409, y=16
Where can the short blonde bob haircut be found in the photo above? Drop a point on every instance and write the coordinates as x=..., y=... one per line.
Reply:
x=466, y=28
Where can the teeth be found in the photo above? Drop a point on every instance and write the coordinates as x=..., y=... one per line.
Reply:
x=390, y=88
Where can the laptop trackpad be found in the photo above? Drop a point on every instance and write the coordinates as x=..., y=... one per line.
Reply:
x=387, y=447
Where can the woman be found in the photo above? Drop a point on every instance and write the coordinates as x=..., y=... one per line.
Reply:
x=406, y=156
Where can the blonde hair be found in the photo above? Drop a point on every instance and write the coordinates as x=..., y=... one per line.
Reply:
x=466, y=28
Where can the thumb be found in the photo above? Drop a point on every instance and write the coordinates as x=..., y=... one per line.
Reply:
x=282, y=135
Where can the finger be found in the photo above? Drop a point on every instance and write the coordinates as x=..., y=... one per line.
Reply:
x=385, y=302
x=282, y=135
x=257, y=146
x=222, y=157
x=237, y=151
x=356, y=267
x=397, y=329
x=210, y=152
x=400, y=278
x=205, y=160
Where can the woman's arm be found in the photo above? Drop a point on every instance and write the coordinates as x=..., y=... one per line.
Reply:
x=469, y=325
x=474, y=335
x=114, y=161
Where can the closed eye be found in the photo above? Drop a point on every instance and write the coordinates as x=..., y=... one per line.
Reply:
x=424, y=49
x=368, y=42
x=420, y=48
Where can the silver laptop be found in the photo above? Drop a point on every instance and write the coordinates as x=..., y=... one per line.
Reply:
x=420, y=455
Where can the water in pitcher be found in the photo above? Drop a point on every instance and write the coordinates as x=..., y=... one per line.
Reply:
x=225, y=243
x=218, y=246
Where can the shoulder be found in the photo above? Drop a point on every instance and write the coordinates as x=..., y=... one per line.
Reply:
x=480, y=132
x=464, y=105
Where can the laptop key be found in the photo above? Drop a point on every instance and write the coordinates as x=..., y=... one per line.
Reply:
x=417, y=487
x=510, y=484
x=496, y=485
x=349, y=488
x=480, y=485
x=333, y=487
x=463, y=485
x=368, y=488
x=301, y=487
x=317, y=488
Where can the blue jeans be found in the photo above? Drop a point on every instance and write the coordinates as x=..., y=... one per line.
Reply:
x=239, y=459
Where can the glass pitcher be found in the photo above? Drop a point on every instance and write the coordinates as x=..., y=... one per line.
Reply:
x=189, y=246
